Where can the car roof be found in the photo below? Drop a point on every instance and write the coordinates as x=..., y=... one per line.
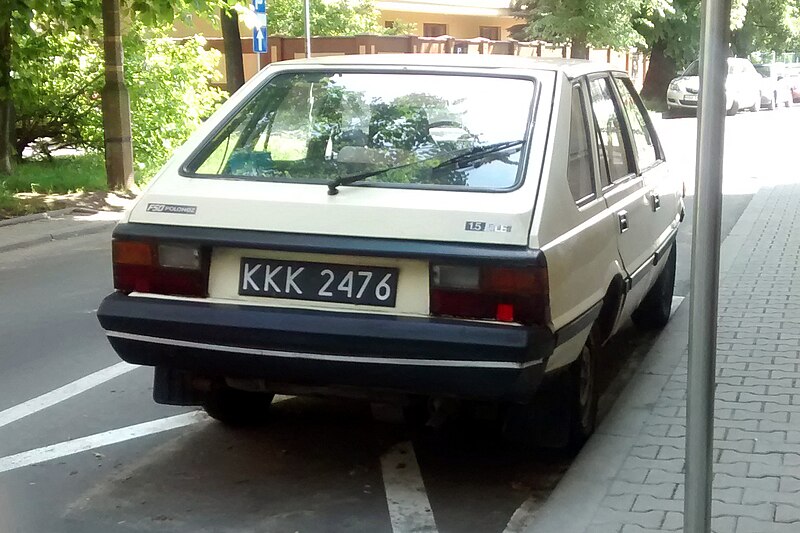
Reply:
x=570, y=67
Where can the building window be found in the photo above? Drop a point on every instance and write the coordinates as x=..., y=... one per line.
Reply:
x=388, y=24
x=434, y=30
x=490, y=32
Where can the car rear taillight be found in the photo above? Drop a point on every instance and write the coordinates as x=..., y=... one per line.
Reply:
x=172, y=269
x=503, y=294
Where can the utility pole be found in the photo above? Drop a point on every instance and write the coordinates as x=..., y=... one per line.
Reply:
x=714, y=25
x=116, y=103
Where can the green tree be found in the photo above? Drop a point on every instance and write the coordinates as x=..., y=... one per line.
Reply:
x=769, y=26
x=584, y=23
x=672, y=39
x=329, y=18
x=82, y=16
x=58, y=80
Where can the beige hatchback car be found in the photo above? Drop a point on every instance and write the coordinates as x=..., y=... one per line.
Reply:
x=401, y=227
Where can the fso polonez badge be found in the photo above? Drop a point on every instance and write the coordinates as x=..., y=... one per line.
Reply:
x=172, y=208
x=472, y=225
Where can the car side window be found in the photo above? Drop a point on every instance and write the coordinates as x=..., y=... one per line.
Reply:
x=643, y=138
x=609, y=125
x=580, y=175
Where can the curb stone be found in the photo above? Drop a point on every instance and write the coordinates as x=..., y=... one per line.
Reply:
x=576, y=499
x=56, y=213
x=37, y=216
x=50, y=237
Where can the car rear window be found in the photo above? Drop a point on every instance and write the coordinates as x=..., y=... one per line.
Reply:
x=394, y=129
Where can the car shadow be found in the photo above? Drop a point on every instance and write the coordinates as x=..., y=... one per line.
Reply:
x=316, y=467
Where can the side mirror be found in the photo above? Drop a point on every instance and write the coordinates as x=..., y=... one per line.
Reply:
x=780, y=77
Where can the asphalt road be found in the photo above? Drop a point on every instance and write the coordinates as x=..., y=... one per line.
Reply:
x=83, y=448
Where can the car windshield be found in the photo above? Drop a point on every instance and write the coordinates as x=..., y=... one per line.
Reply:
x=693, y=69
x=400, y=128
x=763, y=70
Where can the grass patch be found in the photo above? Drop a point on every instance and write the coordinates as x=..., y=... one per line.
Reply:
x=60, y=175
x=14, y=207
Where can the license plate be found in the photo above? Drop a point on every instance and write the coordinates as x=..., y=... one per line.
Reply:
x=691, y=97
x=319, y=282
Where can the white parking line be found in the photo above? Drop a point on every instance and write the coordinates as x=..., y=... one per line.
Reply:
x=12, y=414
x=522, y=518
x=676, y=303
x=409, y=508
x=83, y=444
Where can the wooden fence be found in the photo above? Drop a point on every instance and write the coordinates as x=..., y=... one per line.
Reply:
x=284, y=48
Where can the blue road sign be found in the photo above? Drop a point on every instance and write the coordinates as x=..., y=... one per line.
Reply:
x=260, y=6
x=260, y=39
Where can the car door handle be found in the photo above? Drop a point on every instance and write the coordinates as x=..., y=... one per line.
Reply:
x=623, y=221
x=656, y=201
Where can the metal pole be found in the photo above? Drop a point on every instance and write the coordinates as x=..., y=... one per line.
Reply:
x=705, y=267
x=308, y=29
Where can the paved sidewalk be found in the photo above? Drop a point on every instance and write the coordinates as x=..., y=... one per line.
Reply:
x=57, y=227
x=629, y=477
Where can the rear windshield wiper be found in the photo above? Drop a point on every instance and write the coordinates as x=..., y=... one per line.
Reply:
x=347, y=180
x=473, y=154
x=478, y=152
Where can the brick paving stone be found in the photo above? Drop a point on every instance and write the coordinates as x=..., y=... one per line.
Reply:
x=790, y=484
x=757, y=411
x=788, y=513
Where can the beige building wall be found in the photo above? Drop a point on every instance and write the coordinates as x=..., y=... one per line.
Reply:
x=459, y=26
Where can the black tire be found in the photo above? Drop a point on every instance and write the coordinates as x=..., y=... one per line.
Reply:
x=773, y=103
x=584, y=394
x=654, y=311
x=238, y=408
x=733, y=110
x=563, y=414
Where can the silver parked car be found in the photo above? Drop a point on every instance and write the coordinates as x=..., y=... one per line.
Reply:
x=742, y=87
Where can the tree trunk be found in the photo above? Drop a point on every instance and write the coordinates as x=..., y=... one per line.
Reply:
x=116, y=104
x=579, y=49
x=660, y=72
x=232, y=39
x=7, y=126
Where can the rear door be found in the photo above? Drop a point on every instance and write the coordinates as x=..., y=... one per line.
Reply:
x=623, y=189
x=662, y=192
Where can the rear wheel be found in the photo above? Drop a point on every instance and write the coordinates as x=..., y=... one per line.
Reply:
x=655, y=309
x=564, y=412
x=773, y=103
x=584, y=394
x=733, y=109
x=234, y=407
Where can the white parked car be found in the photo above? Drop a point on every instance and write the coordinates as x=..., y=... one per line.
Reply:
x=411, y=226
x=776, y=90
x=742, y=88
